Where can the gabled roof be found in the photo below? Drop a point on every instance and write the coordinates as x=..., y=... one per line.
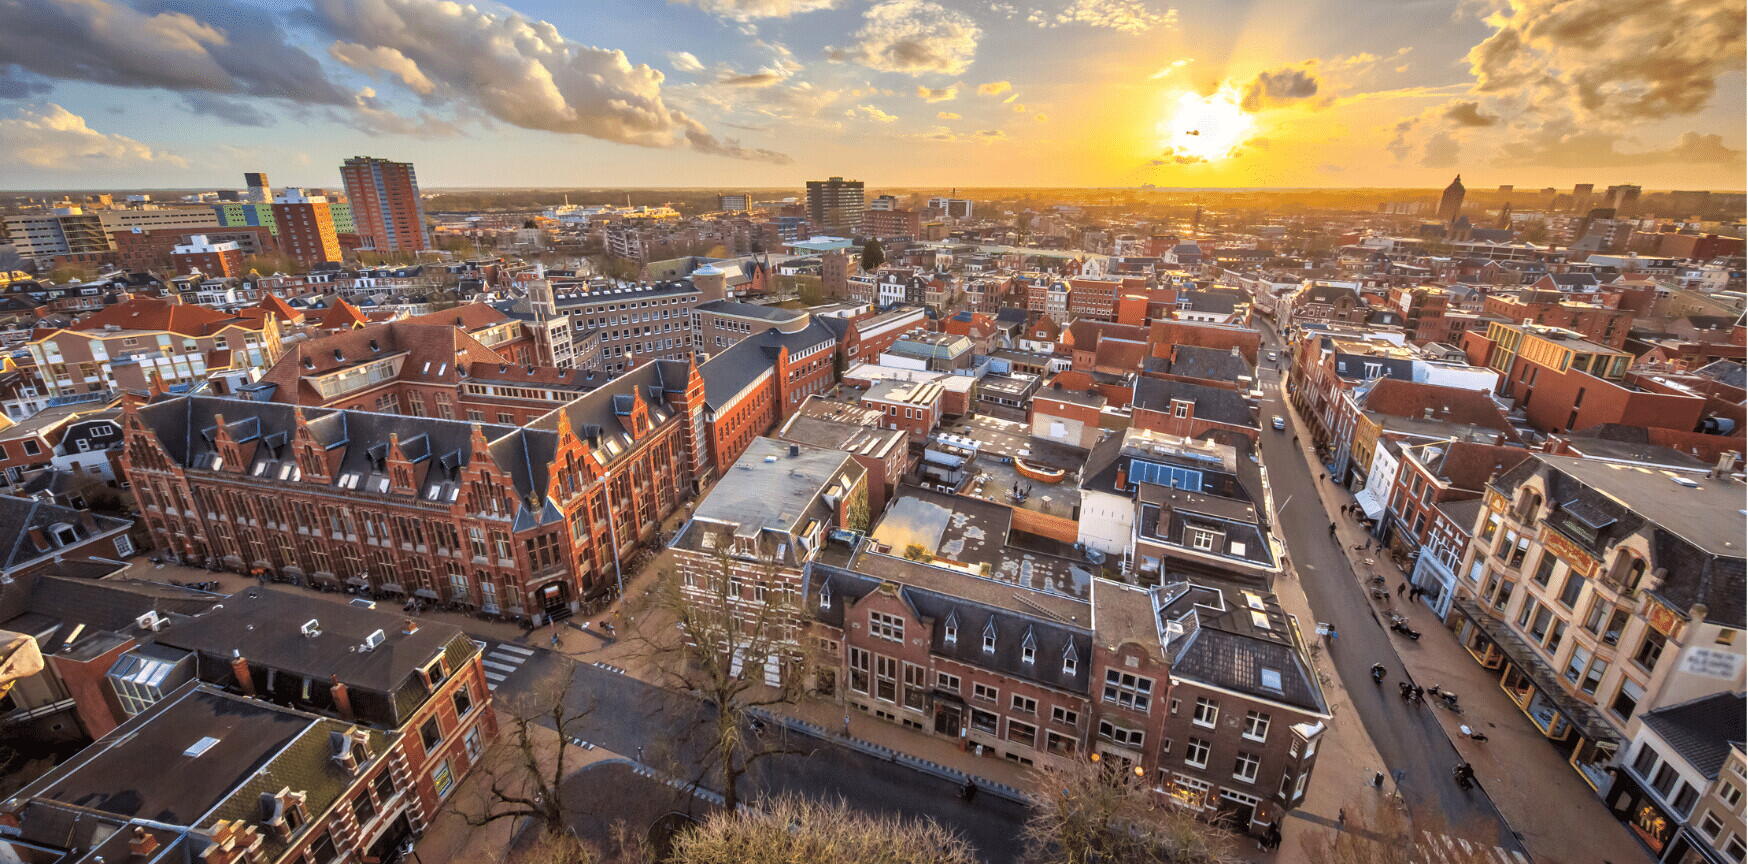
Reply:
x=342, y=316
x=151, y=313
x=1211, y=403
x=1702, y=730
x=1400, y=398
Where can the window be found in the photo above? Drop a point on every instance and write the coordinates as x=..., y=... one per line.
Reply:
x=950, y=633
x=915, y=691
x=31, y=448
x=1028, y=654
x=884, y=626
x=1730, y=794
x=1121, y=735
x=1196, y=753
x=1129, y=691
x=1203, y=540
x=1065, y=716
x=443, y=779
x=1570, y=592
x=1710, y=825
x=989, y=639
x=324, y=850
x=984, y=692
x=1022, y=733
x=431, y=735
x=1626, y=700
x=1650, y=650
x=1256, y=725
x=1617, y=624
x=1069, y=661
x=1683, y=800
x=947, y=682
x=363, y=809
x=885, y=678
x=1024, y=704
x=1059, y=744
x=858, y=670
x=1545, y=569
x=384, y=784
x=1645, y=761
x=1733, y=848
x=1207, y=712
x=463, y=702
x=1244, y=767
x=1664, y=780
x=984, y=721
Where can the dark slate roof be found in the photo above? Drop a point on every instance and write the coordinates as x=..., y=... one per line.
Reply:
x=265, y=626
x=19, y=515
x=1212, y=403
x=1225, y=645
x=751, y=310
x=1209, y=364
x=1725, y=372
x=1051, y=639
x=110, y=605
x=1354, y=366
x=729, y=372
x=1702, y=730
x=143, y=770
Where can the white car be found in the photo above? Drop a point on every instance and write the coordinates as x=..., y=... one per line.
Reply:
x=1279, y=424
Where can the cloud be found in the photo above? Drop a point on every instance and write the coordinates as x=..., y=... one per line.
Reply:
x=871, y=113
x=1612, y=59
x=1468, y=114
x=1558, y=146
x=1276, y=87
x=1041, y=118
x=751, y=79
x=1123, y=16
x=945, y=134
x=937, y=94
x=684, y=61
x=214, y=46
x=368, y=114
x=524, y=72
x=994, y=88
x=1171, y=67
x=913, y=37
x=747, y=10
x=1441, y=151
x=947, y=115
x=383, y=59
x=51, y=138
x=233, y=111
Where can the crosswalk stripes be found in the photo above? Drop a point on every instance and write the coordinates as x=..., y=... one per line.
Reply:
x=1445, y=849
x=503, y=659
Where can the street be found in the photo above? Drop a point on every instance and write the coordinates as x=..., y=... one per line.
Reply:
x=1407, y=736
x=654, y=726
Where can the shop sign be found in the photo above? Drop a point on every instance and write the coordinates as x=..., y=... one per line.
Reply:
x=1711, y=663
x=1569, y=552
x=1662, y=618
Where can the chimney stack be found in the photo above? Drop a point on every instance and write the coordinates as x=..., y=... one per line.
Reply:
x=409, y=627
x=342, y=697
x=143, y=843
x=240, y=668
x=1726, y=463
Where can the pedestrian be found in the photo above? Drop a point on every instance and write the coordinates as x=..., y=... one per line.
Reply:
x=1341, y=818
x=1401, y=588
x=555, y=637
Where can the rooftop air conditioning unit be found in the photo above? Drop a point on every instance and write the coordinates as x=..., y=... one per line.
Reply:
x=375, y=639
x=151, y=621
x=312, y=628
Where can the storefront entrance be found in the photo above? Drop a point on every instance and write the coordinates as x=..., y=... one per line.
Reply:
x=949, y=719
x=555, y=601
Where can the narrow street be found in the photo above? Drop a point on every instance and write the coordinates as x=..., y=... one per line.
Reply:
x=1408, y=737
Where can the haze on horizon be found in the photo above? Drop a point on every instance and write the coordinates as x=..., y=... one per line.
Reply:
x=898, y=93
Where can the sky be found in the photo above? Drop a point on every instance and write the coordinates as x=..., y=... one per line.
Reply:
x=936, y=93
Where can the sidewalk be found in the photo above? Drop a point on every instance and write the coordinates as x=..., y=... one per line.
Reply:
x=1543, y=799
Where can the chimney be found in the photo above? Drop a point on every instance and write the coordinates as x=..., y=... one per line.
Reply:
x=794, y=450
x=342, y=698
x=1427, y=413
x=143, y=843
x=240, y=668
x=409, y=627
x=1726, y=463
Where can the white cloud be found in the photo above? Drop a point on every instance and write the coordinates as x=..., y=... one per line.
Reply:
x=51, y=138
x=684, y=61
x=870, y=113
x=947, y=115
x=1124, y=16
x=994, y=88
x=379, y=58
x=913, y=37
x=1618, y=60
x=747, y=10
x=525, y=72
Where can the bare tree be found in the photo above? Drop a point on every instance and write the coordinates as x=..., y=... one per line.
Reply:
x=556, y=847
x=1389, y=834
x=792, y=829
x=726, y=635
x=528, y=780
x=1085, y=812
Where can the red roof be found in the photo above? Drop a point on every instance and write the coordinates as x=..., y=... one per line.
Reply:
x=1400, y=398
x=342, y=316
x=151, y=313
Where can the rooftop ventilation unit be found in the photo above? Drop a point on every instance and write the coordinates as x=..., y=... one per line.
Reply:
x=312, y=628
x=375, y=639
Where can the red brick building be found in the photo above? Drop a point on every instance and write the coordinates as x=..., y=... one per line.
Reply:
x=1190, y=410
x=1594, y=321
x=891, y=224
x=154, y=249
x=1164, y=335
x=217, y=258
x=1564, y=382
x=387, y=211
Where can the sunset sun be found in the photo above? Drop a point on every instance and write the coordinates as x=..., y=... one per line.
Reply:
x=1205, y=128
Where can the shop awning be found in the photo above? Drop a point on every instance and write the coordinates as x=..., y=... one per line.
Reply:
x=1582, y=716
x=1369, y=503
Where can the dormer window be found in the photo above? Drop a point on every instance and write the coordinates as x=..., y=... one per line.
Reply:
x=950, y=630
x=825, y=597
x=1029, y=648
x=436, y=672
x=989, y=637
x=1070, y=660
